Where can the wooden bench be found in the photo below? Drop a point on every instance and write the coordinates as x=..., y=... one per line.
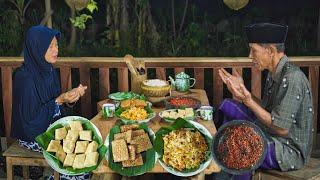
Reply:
x=310, y=172
x=16, y=155
x=98, y=74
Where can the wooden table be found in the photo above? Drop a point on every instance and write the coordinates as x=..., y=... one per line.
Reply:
x=104, y=125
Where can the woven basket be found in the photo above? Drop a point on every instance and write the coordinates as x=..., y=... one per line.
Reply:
x=155, y=91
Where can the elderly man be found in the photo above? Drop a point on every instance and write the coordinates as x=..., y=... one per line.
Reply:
x=285, y=113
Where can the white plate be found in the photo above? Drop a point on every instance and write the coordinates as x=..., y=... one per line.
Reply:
x=202, y=167
x=170, y=120
x=65, y=121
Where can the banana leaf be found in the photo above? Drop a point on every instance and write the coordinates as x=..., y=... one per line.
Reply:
x=149, y=156
x=44, y=139
x=178, y=124
x=119, y=96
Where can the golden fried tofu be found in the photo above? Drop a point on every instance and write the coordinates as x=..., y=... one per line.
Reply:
x=119, y=150
x=72, y=135
x=91, y=159
x=85, y=135
x=75, y=125
x=127, y=127
x=125, y=135
x=130, y=163
x=142, y=143
x=54, y=146
x=60, y=133
x=92, y=147
x=78, y=162
x=61, y=155
x=69, y=160
x=81, y=147
x=68, y=146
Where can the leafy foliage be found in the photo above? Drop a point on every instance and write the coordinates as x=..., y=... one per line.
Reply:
x=210, y=28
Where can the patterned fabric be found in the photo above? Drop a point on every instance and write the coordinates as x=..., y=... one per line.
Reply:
x=287, y=96
x=57, y=111
x=30, y=145
x=85, y=176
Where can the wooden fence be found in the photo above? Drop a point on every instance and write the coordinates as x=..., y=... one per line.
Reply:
x=104, y=75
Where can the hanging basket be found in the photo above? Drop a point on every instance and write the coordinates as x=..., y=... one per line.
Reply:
x=236, y=4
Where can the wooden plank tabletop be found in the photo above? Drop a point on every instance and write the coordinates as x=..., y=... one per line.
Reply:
x=104, y=125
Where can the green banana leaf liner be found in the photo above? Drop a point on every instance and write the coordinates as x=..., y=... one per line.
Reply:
x=44, y=139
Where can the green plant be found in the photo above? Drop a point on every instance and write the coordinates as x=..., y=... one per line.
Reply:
x=80, y=20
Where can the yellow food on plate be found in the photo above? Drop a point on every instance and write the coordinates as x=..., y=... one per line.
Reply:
x=68, y=161
x=61, y=155
x=81, y=147
x=85, y=135
x=72, y=135
x=68, y=146
x=75, y=125
x=184, y=149
x=54, y=146
x=91, y=159
x=92, y=147
x=78, y=162
x=134, y=113
x=60, y=133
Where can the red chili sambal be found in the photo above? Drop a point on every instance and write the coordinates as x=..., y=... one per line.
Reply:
x=241, y=147
x=183, y=102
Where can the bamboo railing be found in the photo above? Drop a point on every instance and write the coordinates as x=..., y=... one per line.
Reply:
x=95, y=72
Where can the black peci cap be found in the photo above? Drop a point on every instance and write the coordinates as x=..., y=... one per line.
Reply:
x=266, y=33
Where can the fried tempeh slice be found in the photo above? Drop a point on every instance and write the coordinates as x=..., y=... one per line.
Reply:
x=125, y=135
x=132, y=152
x=142, y=143
x=130, y=163
x=119, y=150
x=127, y=127
x=137, y=132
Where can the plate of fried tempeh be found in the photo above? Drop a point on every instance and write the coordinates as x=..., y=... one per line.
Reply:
x=130, y=149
